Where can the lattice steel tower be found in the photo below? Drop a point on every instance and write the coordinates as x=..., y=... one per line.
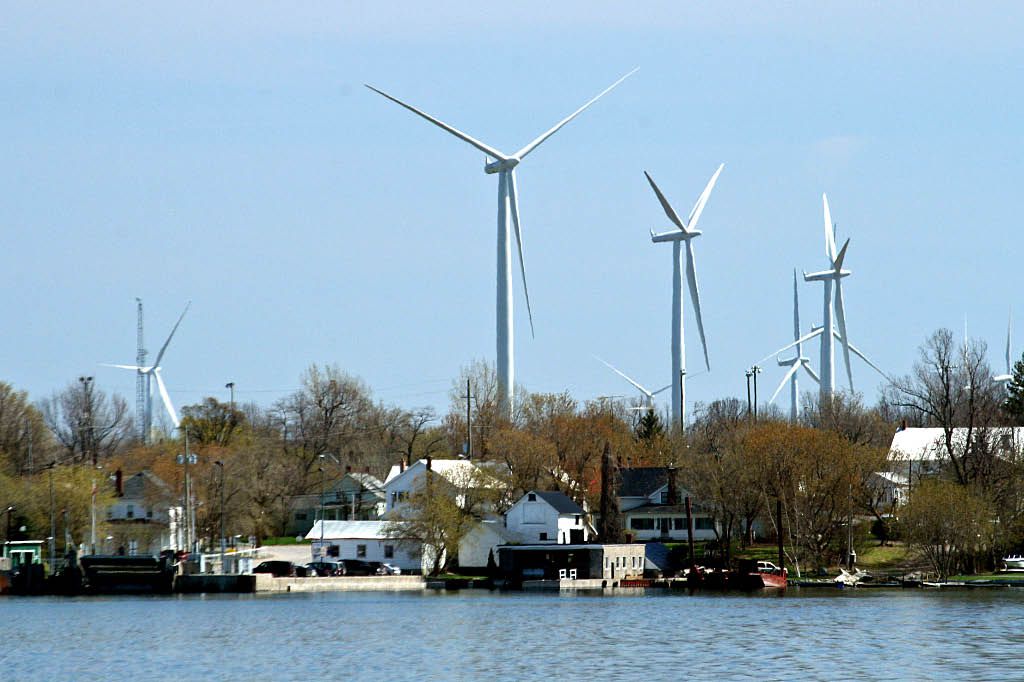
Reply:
x=141, y=425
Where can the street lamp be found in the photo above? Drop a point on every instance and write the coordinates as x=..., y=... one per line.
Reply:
x=7, y=533
x=322, y=512
x=755, y=370
x=223, y=537
x=231, y=387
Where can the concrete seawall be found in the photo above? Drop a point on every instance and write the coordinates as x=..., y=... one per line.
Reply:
x=382, y=583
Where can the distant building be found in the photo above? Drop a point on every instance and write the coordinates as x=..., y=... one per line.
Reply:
x=461, y=477
x=653, y=509
x=544, y=516
x=145, y=516
x=357, y=496
x=366, y=541
x=553, y=562
x=916, y=452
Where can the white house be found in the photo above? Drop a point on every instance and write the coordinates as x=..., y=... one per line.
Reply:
x=544, y=516
x=366, y=541
x=144, y=518
x=652, y=507
x=357, y=496
x=461, y=475
x=920, y=451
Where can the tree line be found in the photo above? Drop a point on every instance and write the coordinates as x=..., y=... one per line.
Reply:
x=807, y=479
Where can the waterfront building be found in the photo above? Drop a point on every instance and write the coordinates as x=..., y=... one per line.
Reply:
x=357, y=496
x=652, y=507
x=144, y=518
x=541, y=516
x=366, y=541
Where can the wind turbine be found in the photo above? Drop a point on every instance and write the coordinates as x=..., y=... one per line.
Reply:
x=832, y=279
x=153, y=371
x=685, y=233
x=647, y=393
x=1006, y=378
x=508, y=217
x=794, y=363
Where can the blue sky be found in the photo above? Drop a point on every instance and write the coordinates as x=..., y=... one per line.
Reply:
x=232, y=157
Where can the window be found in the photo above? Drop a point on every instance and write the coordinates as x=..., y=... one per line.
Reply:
x=149, y=513
x=578, y=520
x=679, y=523
x=300, y=516
x=543, y=536
x=641, y=523
x=532, y=497
x=664, y=497
x=704, y=523
x=389, y=551
x=131, y=511
x=361, y=551
x=334, y=550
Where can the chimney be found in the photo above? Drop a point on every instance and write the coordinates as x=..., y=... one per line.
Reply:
x=673, y=487
x=903, y=425
x=366, y=470
x=348, y=468
x=119, y=483
x=430, y=463
x=401, y=465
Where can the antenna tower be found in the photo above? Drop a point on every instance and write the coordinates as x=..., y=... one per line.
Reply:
x=141, y=427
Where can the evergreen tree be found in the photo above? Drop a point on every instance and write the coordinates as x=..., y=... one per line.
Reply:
x=1013, y=406
x=650, y=426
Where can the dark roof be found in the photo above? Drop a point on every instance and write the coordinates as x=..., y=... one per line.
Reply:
x=562, y=503
x=641, y=481
x=654, y=509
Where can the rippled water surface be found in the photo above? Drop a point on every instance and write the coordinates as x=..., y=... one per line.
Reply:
x=476, y=635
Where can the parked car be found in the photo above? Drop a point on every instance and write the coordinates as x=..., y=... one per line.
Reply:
x=385, y=569
x=324, y=569
x=278, y=569
x=356, y=567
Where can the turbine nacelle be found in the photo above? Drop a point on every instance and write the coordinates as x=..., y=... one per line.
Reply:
x=674, y=236
x=492, y=167
x=826, y=275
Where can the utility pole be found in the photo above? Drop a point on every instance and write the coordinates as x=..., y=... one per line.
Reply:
x=231, y=387
x=52, y=546
x=323, y=513
x=142, y=428
x=223, y=536
x=28, y=434
x=469, y=421
x=755, y=370
x=749, y=412
x=682, y=400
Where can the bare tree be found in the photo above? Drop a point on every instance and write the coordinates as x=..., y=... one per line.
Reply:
x=88, y=425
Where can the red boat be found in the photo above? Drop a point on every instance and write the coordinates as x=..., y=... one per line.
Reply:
x=772, y=577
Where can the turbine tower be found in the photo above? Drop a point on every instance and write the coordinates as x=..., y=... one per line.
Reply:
x=685, y=233
x=508, y=218
x=649, y=395
x=1005, y=378
x=153, y=371
x=140, y=381
x=832, y=279
x=794, y=363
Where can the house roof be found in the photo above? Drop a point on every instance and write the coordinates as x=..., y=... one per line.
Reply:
x=928, y=444
x=892, y=477
x=368, y=481
x=641, y=481
x=456, y=471
x=349, y=530
x=561, y=502
x=146, y=483
x=659, y=509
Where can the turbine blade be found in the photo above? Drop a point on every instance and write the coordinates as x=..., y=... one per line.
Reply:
x=787, y=377
x=163, y=348
x=859, y=354
x=521, y=154
x=811, y=372
x=830, y=234
x=167, y=399
x=841, y=319
x=842, y=254
x=627, y=378
x=698, y=208
x=806, y=337
x=135, y=368
x=444, y=126
x=1009, y=332
x=661, y=390
x=514, y=203
x=669, y=211
x=691, y=278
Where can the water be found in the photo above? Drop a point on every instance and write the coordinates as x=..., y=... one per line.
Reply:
x=476, y=635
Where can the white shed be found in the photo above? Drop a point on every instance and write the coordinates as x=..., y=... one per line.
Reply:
x=364, y=540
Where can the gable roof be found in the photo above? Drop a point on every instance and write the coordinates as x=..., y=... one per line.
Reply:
x=349, y=530
x=641, y=481
x=929, y=444
x=456, y=471
x=561, y=502
x=144, y=484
